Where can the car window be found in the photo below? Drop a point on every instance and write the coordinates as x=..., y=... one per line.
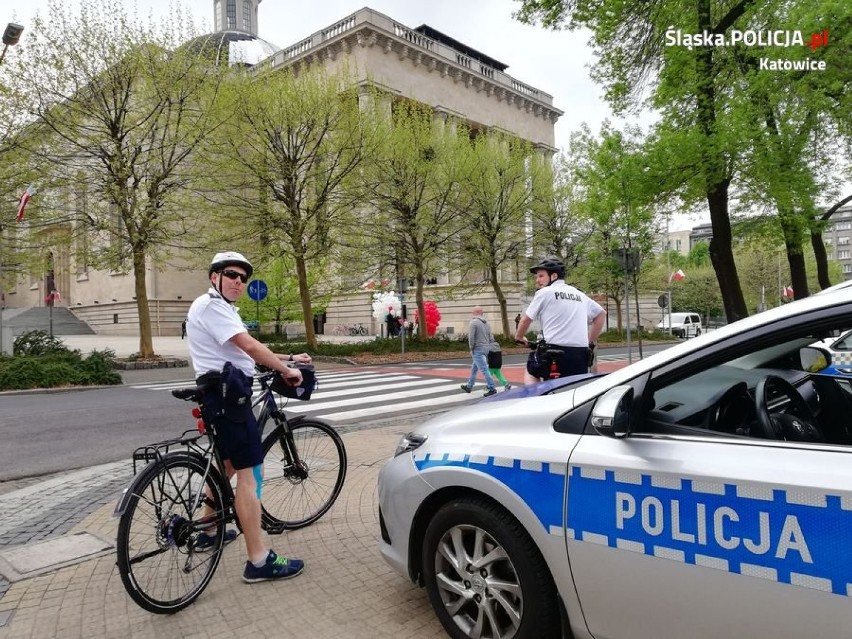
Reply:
x=770, y=391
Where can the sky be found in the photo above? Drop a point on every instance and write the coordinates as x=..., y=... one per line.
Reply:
x=554, y=62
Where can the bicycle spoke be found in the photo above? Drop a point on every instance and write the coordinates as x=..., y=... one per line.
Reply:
x=160, y=568
x=298, y=493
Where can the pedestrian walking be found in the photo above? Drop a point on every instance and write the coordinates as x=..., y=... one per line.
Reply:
x=183, y=329
x=570, y=322
x=479, y=339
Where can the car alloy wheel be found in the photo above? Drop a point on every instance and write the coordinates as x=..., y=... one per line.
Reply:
x=485, y=576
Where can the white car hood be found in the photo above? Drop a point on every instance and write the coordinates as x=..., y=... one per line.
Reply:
x=522, y=415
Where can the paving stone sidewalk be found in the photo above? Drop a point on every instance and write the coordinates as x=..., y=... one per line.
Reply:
x=347, y=589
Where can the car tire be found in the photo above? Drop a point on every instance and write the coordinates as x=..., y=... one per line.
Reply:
x=463, y=594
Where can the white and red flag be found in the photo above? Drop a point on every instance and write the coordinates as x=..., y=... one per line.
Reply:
x=677, y=275
x=787, y=291
x=22, y=203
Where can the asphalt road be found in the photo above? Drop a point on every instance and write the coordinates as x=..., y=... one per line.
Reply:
x=48, y=432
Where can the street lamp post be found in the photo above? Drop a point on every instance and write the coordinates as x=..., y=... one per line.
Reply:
x=11, y=36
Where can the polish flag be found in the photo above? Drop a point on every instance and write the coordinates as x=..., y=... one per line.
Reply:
x=22, y=204
x=787, y=291
x=677, y=275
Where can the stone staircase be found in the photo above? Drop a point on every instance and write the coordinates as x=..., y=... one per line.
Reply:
x=39, y=319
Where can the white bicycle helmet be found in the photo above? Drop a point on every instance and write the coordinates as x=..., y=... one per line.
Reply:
x=229, y=258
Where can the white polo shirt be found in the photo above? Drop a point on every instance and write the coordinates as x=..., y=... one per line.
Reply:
x=210, y=323
x=564, y=313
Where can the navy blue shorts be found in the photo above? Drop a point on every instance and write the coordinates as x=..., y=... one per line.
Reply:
x=572, y=360
x=235, y=428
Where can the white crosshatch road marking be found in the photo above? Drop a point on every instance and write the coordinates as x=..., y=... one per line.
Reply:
x=347, y=396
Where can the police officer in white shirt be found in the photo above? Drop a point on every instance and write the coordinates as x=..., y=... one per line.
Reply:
x=570, y=322
x=223, y=355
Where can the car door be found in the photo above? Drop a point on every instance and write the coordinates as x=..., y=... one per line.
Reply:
x=693, y=527
x=703, y=538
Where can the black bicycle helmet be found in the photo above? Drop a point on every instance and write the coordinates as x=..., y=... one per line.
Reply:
x=229, y=258
x=551, y=265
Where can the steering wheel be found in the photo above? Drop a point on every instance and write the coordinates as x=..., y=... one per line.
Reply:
x=798, y=423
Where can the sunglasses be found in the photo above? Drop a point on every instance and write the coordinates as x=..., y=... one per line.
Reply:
x=234, y=275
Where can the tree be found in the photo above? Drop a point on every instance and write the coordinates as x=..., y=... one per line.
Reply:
x=120, y=111
x=561, y=225
x=501, y=187
x=415, y=182
x=631, y=45
x=290, y=158
x=618, y=188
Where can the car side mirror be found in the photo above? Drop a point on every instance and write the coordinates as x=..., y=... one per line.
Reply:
x=814, y=359
x=611, y=414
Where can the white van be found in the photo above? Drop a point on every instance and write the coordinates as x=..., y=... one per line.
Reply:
x=683, y=324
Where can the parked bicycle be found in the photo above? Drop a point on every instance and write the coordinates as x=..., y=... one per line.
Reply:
x=162, y=512
x=357, y=329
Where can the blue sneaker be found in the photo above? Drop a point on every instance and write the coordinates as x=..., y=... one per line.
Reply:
x=205, y=541
x=276, y=567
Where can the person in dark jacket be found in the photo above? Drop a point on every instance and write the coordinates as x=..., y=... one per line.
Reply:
x=479, y=339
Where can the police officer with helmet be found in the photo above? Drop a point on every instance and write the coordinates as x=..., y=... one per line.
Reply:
x=223, y=356
x=570, y=322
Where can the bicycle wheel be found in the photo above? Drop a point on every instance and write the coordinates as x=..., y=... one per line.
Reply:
x=296, y=495
x=362, y=330
x=157, y=560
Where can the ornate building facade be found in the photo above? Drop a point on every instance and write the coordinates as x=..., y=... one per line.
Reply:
x=420, y=64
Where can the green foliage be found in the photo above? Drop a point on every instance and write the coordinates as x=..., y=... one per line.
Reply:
x=698, y=293
x=615, y=336
x=453, y=343
x=56, y=366
x=37, y=343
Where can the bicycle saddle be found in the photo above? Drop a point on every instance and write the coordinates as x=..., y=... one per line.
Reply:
x=188, y=394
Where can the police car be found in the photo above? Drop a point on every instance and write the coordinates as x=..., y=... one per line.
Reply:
x=841, y=355
x=705, y=491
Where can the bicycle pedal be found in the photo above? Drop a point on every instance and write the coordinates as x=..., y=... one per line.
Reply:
x=274, y=529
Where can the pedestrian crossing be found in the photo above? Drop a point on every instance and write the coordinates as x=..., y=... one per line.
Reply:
x=346, y=396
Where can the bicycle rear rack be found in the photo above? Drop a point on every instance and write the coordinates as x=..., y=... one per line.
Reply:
x=156, y=451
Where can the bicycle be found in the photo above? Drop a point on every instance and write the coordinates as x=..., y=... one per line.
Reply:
x=357, y=329
x=162, y=512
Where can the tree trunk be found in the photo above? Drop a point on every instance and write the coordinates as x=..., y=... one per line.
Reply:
x=619, y=323
x=146, y=342
x=421, y=306
x=821, y=258
x=305, y=298
x=819, y=246
x=715, y=177
x=501, y=300
x=722, y=254
x=793, y=244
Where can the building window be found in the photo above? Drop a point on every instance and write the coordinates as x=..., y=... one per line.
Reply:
x=842, y=241
x=232, y=14
x=847, y=268
x=217, y=26
x=247, y=16
x=842, y=255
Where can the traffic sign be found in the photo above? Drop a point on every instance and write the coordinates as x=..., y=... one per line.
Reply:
x=257, y=290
